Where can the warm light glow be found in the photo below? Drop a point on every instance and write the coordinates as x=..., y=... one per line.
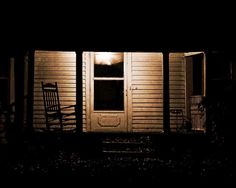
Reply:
x=108, y=58
x=104, y=58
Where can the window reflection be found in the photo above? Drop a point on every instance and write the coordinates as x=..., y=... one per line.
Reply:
x=108, y=95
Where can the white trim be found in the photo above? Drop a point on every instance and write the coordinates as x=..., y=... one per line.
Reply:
x=204, y=74
x=192, y=53
x=129, y=91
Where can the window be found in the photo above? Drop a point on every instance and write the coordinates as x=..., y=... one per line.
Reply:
x=108, y=81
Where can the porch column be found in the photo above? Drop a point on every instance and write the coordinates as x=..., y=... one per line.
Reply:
x=19, y=94
x=30, y=91
x=166, y=93
x=79, y=92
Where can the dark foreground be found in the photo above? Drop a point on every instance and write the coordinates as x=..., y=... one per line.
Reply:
x=189, y=158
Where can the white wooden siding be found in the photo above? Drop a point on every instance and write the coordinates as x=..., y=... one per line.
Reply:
x=146, y=99
x=54, y=66
x=177, y=85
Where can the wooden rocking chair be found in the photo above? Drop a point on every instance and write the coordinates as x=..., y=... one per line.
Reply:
x=56, y=117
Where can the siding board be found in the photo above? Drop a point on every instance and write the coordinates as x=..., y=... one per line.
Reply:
x=145, y=57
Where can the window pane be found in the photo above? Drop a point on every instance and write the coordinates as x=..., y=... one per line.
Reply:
x=108, y=64
x=108, y=95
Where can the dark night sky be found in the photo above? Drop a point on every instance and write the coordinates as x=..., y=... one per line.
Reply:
x=118, y=26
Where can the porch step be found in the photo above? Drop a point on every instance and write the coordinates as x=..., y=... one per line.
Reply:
x=140, y=145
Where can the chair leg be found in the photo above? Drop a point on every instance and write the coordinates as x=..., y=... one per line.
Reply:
x=61, y=124
x=47, y=124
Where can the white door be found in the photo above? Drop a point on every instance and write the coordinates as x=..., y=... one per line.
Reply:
x=108, y=92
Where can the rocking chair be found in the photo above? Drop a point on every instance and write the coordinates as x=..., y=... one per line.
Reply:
x=56, y=117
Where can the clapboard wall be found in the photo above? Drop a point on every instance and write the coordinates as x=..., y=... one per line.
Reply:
x=147, y=92
x=177, y=87
x=54, y=66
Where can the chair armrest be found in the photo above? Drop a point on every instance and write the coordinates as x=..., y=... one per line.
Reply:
x=70, y=106
x=66, y=112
